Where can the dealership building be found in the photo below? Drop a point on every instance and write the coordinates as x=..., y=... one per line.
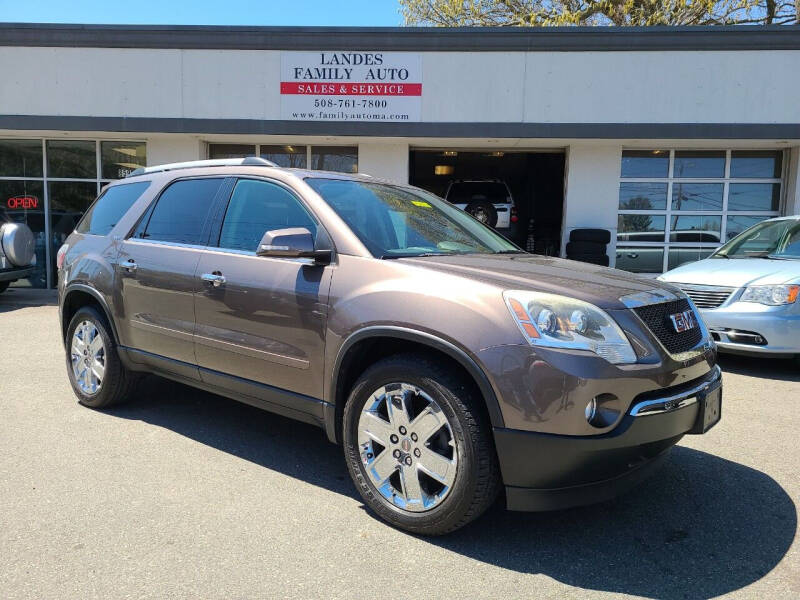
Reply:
x=673, y=139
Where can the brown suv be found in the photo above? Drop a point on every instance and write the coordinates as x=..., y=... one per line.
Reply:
x=450, y=364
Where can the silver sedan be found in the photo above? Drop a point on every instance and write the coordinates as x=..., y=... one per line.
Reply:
x=748, y=291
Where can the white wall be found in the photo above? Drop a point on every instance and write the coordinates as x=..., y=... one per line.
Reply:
x=543, y=87
x=163, y=149
x=591, y=193
x=386, y=161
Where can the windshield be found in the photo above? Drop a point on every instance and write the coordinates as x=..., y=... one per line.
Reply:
x=394, y=222
x=768, y=239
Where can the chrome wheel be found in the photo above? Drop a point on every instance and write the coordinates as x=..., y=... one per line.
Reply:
x=88, y=357
x=407, y=447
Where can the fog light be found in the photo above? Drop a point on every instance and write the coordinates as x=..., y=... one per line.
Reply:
x=603, y=411
x=591, y=410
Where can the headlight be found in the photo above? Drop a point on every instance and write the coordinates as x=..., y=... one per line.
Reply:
x=560, y=322
x=773, y=295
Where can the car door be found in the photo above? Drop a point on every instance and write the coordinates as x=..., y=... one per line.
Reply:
x=262, y=320
x=156, y=270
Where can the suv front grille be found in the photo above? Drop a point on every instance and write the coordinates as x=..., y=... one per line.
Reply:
x=656, y=317
x=708, y=296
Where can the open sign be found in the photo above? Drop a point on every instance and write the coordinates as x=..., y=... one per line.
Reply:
x=25, y=202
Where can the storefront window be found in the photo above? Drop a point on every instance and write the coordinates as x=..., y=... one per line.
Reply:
x=713, y=196
x=119, y=159
x=20, y=158
x=343, y=159
x=218, y=151
x=292, y=157
x=23, y=202
x=71, y=159
x=52, y=205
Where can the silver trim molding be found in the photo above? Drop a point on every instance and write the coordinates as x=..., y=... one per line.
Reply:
x=676, y=401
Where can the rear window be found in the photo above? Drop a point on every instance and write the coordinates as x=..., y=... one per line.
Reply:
x=464, y=192
x=110, y=207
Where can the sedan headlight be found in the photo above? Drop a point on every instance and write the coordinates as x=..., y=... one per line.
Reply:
x=772, y=295
x=559, y=322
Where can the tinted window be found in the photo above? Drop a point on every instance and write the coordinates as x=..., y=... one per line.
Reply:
x=699, y=164
x=20, y=158
x=110, y=208
x=748, y=163
x=467, y=191
x=71, y=158
x=643, y=196
x=182, y=211
x=119, y=159
x=256, y=207
x=231, y=150
x=285, y=156
x=697, y=196
x=645, y=163
x=334, y=158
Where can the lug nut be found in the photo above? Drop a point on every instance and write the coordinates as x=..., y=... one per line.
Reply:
x=396, y=453
x=393, y=438
x=413, y=437
x=417, y=452
x=408, y=460
x=402, y=430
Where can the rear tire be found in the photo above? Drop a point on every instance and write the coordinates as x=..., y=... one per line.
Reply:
x=4, y=286
x=98, y=377
x=436, y=508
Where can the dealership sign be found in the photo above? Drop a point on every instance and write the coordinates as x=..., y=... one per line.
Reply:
x=351, y=86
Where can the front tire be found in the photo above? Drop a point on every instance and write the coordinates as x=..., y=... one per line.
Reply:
x=98, y=377
x=418, y=445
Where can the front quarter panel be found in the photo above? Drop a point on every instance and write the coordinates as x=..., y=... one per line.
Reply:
x=373, y=293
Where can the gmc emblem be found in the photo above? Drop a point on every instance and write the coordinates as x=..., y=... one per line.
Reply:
x=683, y=321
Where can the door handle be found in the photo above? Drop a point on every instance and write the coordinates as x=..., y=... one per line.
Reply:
x=129, y=265
x=216, y=278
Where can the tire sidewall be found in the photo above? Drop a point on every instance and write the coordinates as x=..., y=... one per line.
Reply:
x=459, y=497
x=101, y=397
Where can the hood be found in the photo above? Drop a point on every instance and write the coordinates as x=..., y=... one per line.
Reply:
x=600, y=286
x=735, y=272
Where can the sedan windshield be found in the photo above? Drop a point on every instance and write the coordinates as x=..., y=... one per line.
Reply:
x=395, y=222
x=768, y=239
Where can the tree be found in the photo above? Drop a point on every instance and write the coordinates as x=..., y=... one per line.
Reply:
x=505, y=13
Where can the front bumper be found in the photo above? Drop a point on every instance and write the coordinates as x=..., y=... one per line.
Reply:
x=778, y=325
x=545, y=471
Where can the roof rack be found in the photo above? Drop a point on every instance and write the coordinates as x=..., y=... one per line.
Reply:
x=249, y=161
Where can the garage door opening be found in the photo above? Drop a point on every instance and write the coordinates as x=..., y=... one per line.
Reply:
x=472, y=180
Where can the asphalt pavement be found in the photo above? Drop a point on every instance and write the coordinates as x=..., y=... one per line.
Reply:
x=183, y=494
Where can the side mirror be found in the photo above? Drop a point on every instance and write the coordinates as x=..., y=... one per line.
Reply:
x=294, y=242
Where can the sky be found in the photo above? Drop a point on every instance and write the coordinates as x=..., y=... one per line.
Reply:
x=204, y=12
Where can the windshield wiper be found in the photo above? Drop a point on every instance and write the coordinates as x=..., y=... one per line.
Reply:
x=510, y=252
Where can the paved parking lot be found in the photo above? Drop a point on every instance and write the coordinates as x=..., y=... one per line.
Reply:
x=185, y=494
